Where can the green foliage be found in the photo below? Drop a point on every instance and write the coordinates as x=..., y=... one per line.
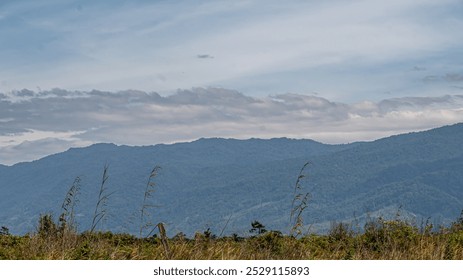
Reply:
x=270, y=243
x=340, y=232
x=385, y=235
x=47, y=228
x=83, y=251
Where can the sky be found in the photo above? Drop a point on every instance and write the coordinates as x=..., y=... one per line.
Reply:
x=78, y=72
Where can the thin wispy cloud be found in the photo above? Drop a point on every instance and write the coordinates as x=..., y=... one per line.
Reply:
x=259, y=47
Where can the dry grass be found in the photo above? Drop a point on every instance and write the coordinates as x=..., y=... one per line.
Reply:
x=384, y=240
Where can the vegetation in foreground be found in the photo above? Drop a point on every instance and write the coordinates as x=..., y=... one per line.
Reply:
x=379, y=240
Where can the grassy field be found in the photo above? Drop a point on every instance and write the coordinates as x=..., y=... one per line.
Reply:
x=378, y=240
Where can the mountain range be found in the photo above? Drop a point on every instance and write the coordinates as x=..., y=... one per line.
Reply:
x=225, y=184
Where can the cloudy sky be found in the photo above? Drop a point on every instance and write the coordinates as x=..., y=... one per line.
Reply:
x=77, y=72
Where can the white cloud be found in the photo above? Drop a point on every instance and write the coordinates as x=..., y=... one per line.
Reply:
x=36, y=135
x=32, y=150
x=353, y=54
x=60, y=119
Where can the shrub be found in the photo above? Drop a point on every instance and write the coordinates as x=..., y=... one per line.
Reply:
x=4, y=231
x=383, y=235
x=47, y=227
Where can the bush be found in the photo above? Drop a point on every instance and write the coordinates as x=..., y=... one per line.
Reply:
x=4, y=231
x=47, y=227
x=383, y=235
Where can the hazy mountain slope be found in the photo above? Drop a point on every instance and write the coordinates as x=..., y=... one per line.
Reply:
x=29, y=189
x=212, y=182
x=420, y=172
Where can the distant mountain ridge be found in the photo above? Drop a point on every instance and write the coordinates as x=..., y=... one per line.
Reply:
x=224, y=184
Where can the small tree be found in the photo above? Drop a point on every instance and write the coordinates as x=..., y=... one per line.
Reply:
x=4, y=231
x=257, y=227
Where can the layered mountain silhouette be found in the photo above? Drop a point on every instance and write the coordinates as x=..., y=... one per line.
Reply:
x=225, y=184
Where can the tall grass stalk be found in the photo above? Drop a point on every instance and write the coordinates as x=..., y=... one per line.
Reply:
x=299, y=204
x=67, y=217
x=144, y=212
x=100, y=208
